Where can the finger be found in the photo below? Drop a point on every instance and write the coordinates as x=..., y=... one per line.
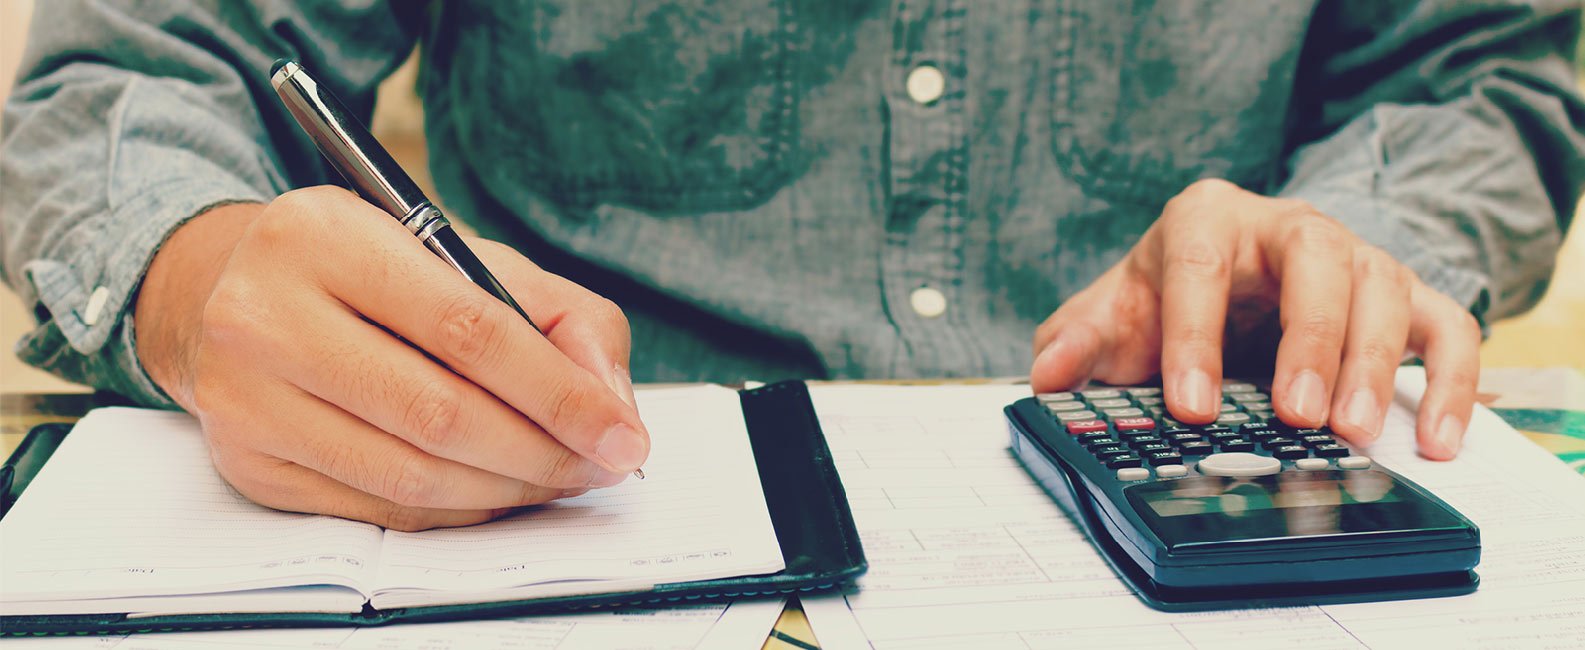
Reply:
x=1189, y=255
x=282, y=485
x=405, y=288
x=397, y=389
x=592, y=332
x=1378, y=330
x=1313, y=257
x=1068, y=359
x=1447, y=338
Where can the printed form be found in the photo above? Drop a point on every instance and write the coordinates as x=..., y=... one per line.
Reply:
x=966, y=551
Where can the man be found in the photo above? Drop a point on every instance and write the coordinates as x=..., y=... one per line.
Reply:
x=774, y=189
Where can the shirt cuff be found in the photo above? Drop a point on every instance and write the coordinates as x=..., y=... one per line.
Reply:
x=89, y=295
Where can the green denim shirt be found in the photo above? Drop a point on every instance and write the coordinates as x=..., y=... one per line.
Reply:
x=806, y=188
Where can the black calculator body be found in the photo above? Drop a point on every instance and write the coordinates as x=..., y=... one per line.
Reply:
x=1245, y=512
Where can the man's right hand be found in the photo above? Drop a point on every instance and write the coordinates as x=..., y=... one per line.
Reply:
x=339, y=367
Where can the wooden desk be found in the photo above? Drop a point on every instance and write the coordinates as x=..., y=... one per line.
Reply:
x=19, y=412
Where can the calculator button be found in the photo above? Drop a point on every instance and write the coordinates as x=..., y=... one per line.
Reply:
x=1254, y=426
x=1237, y=446
x=1256, y=406
x=1149, y=401
x=1354, y=462
x=1134, y=424
x=1130, y=460
x=1101, y=393
x=1290, y=452
x=1229, y=407
x=1316, y=439
x=1238, y=464
x=1076, y=415
x=1212, y=429
x=1239, y=387
x=1146, y=450
x=1133, y=474
x=1311, y=463
x=1248, y=397
x=1182, y=437
x=1061, y=407
x=1145, y=391
x=1135, y=434
x=1086, y=426
x=1195, y=448
x=1095, y=438
x=1278, y=441
x=1166, y=458
x=1171, y=471
x=1114, y=403
x=1232, y=418
x=1104, y=451
x=1264, y=414
x=1331, y=451
x=1124, y=413
x=1056, y=397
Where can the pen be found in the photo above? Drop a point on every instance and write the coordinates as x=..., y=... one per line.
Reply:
x=375, y=176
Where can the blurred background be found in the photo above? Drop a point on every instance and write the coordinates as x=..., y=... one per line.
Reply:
x=1553, y=334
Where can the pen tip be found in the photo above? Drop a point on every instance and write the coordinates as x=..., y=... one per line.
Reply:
x=279, y=63
x=639, y=473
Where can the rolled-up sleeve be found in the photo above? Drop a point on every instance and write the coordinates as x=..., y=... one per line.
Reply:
x=1450, y=134
x=130, y=118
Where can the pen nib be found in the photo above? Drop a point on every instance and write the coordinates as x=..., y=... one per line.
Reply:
x=639, y=473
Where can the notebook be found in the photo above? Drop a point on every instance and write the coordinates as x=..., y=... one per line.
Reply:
x=128, y=527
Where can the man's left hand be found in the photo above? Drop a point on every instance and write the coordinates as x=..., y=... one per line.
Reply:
x=1220, y=262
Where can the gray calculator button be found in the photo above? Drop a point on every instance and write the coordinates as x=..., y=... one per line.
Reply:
x=1149, y=401
x=1133, y=474
x=1236, y=387
x=1124, y=413
x=1257, y=406
x=1070, y=416
x=1248, y=397
x=1354, y=462
x=1311, y=463
x=1171, y=471
x=1116, y=403
x=1101, y=393
x=1055, y=397
x=1144, y=391
x=1229, y=407
x=1058, y=407
x=1238, y=463
x=1232, y=418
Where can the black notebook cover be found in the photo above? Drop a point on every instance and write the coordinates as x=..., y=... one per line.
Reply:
x=808, y=508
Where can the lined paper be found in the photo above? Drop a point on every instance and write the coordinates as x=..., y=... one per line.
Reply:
x=699, y=513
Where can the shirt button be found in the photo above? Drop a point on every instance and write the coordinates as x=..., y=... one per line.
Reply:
x=928, y=302
x=95, y=306
x=925, y=84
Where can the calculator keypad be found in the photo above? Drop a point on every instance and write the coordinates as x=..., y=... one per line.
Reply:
x=1128, y=430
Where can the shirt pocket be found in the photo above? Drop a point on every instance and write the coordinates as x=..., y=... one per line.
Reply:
x=1148, y=97
x=661, y=106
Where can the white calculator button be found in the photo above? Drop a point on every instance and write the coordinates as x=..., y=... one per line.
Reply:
x=1354, y=462
x=1311, y=463
x=1133, y=474
x=1238, y=463
x=1171, y=471
x=1056, y=397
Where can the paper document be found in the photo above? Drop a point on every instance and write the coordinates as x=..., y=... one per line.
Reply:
x=129, y=516
x=966, y=551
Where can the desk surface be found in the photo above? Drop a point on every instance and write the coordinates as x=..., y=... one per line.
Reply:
x=1556, y=388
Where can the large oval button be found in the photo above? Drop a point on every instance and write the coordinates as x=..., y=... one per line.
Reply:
x=1238, y=463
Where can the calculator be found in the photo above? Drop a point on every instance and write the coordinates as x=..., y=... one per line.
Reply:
x=1243, y=512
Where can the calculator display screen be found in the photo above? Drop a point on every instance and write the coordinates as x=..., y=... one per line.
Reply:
x=1214, y=508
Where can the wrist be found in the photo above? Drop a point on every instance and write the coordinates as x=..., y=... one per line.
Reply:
x=170, y=303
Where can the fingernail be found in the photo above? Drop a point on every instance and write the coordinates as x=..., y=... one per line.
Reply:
x=1307, y=396
x=622, y=449
x=621, y=383
x=1450, y=435
x=1362, y=412
x=606, y=478
x=1194, y=391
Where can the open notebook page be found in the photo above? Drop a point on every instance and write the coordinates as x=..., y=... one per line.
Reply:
x=129, y=515
x=699, y=514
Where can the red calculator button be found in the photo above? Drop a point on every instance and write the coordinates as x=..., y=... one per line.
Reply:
x=1086, y=426
x=1134, y=424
